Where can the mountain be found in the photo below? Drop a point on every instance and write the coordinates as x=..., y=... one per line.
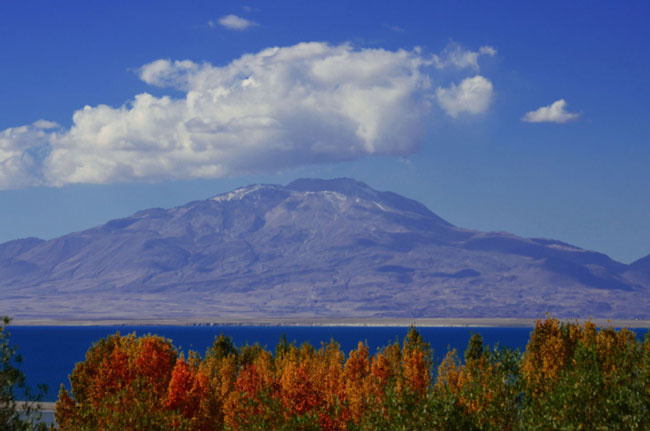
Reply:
x=314, y=248
x=642, y=264
x=640, y=271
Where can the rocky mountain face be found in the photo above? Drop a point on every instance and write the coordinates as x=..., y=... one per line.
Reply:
x=315, y=248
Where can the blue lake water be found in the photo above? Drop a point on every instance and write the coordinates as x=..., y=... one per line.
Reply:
x=50, y=352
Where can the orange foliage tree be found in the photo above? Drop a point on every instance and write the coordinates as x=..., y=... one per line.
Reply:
x=132, y=383
x=570, y=375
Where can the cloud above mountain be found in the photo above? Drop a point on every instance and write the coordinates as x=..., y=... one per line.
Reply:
x=456, y=56
x=553, y=113
x=472, y=95
x=233, y=22
x=22, y=153
x=275, y=109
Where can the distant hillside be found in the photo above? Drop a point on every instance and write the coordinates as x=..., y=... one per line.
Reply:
x=328, y=248
x=642, y=265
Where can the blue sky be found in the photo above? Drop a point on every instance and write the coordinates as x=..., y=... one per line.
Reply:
x=517, y=116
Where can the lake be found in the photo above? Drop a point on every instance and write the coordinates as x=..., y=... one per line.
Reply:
x=50, y=352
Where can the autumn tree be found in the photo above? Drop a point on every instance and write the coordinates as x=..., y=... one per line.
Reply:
x=581, y=377
x=485, y=387
x=121, y=385
x=571, y=376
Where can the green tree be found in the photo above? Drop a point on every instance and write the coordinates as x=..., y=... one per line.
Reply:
x=592, y=379
x=15, y=415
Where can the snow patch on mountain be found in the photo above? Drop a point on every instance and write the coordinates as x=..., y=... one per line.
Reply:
x=238, y=194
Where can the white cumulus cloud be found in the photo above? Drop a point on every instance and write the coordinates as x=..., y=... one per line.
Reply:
x=553, y=113
x=164, y=73
x=22, y=151
x=472, y=95
x=275, y=109
x=456, y=56
x=234, y=22
x=45, y=125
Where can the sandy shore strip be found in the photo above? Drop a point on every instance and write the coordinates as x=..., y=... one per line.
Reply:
x=321, y=321
x=42, y=406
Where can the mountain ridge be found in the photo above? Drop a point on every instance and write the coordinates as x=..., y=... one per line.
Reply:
x=322, y=248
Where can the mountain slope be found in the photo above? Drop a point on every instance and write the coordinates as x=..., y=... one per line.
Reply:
x=642, y=264
x=329, y=248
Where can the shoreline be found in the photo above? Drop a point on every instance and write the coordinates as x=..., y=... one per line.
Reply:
x=40, y=406
x=353, y=322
